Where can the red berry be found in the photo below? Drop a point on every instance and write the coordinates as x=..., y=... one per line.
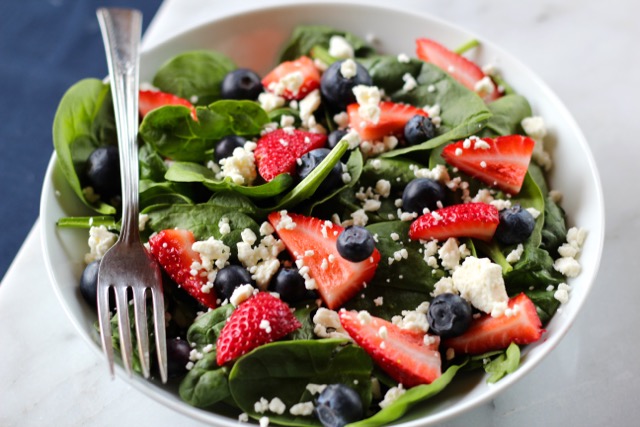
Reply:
x=277, y=151
x=172, y=249
x=314, y=241
x=261, y=319
x=304, y=69
x=150, y=100
x=401, y=353
x=478, y=220
x=500, y=162
x=393, y=118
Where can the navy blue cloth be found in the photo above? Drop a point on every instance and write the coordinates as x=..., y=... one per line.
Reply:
x=45, y=47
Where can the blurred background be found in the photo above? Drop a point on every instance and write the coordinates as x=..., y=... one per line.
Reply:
x=45, y=47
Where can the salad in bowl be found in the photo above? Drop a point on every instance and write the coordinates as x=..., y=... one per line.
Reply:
x=347, y=234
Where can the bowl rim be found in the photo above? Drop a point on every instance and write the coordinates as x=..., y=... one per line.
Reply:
x=456, y=409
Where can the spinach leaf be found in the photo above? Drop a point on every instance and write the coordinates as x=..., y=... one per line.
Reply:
x=152, y=165
x=507, y=112
x=233, y=201
x=153, y=193
x=403, y=284
x=411, y=397
x=83, y=122
x=303, y=314
x=195, y=172
x=194, y=74
x=534, y=269
x=545, y=302
x=261, y=373
x=206, y=327
x=173, y=133
x=463, y=112
x=206, y=383
x=504, y=364
x=305, y=37
x=554, y=231
x=202, y=219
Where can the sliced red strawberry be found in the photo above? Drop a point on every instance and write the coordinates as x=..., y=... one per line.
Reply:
x=459, y=67
x=478, y=220
x=293, y=79
x=393, y=117
x=401, y=353
x=314, y=242
x=261, y=319
x=277, y=151
x=172, y=249
x=151, y=99
x=488, y=333
x=501, y=162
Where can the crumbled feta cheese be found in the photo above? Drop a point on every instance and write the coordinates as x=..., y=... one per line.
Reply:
x=444, y=286
x=403, y=58
x=241, y=294
x=368, y=99
x=263, y=421
x=240, y=167
x=415, y=320
x=480, y=282
x=100, y=241
x=450, y=254
x=379, y=301
x=142, y=221
x=341, y=119
x=213, y=254
x=303, y=409
x=371, y=205
x=327, y=324
x=277, y=406
x=308, y=106
x=562, y=293
x=514, y=255
x=410, y=82
x=570, y=267
x=291, y=82
x=364, y=317
x=286, y=221
x=383, y=188
x=269, y=101
x=315, y=388
x=348, y=68
x=340, y=48
x=535, y=213
x=353, y=139
x=261, y=406
x=223, y=226
x=392, y=395
x=484, y=87
x=243, y=417
x=360, y=217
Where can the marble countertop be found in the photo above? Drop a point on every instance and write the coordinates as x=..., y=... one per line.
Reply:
x=586, y=51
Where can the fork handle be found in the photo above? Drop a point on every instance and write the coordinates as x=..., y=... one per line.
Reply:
x=121, y=31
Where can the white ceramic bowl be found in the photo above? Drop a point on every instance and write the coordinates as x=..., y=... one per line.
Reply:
x=254, y=40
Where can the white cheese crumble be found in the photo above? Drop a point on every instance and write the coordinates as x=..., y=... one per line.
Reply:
x=261, y=260
x=568, y=264
x=562, y=293
x=285, y=222
x=537, y=130
x=303, y=409
x=368, y=99
x=327, y=324
x=341, y=119
x=360, y=217
x=100, y=241
x=484, y=87
x=392, y=395
x=270, y=101
x=403, y=58
x=308, y=106
x=514, y=255
x=340, y=48
x=223, y=226
x=241, y=294
x=450, y=254
x=240, y=167
x=480, y=282
x=415, y=320
x=410, y=82
x=348, y=68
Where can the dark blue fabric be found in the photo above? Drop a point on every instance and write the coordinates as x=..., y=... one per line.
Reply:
x=45, y=46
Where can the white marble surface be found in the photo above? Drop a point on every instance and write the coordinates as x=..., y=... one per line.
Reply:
x=587, y=52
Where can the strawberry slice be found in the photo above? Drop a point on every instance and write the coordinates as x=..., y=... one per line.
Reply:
x=393, y=117
x=478, y=220
x=401, y=353
x=459, y=67
x=149, y=100
x=261, y=319
x=488, y=333
x=277, y=151
x=293, y=79
x=314, y=242
x=501, y=162
x=172, y=249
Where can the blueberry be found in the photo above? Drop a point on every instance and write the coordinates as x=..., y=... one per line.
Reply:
x=338, y=405
x=224, y=148
x=516, y=225
x=337, y=90
x=309, y=161
x=422, y=193
x=103, y=171
x=241, y=84
x=449, y=315
x=418, y=129
x=230, y=278
x=178, y=352
x=355, y=243
x=289, y=284
x=89, y=283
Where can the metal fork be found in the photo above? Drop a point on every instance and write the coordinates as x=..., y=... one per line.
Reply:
x=127, y=267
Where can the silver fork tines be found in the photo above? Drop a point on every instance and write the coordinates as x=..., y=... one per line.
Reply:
x=127, y=268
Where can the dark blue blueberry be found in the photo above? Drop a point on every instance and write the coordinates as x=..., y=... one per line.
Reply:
x=355, y=243
x=449, y=315
x=89, y=283
x=338, y=405
x=289, y=284
x=178, y=352
x=418, y=129
x=224, y=148
x=516, y=225
x=103, y=172
x=230, y=278
x=422, y=193
x=241, y=84
x=309, y=161
x=337, y=90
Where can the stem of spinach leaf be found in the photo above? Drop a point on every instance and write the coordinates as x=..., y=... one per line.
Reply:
x=467, y=46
